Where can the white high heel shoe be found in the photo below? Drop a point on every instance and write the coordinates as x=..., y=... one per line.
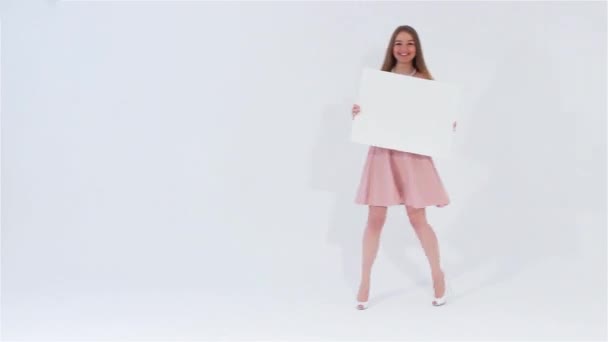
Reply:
x=440, y=301
x=362, y=305
x=443, y=299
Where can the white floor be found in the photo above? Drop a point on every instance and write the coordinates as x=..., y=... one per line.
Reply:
x=553, y=299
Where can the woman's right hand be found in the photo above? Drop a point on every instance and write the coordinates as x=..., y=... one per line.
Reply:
x=356, y=110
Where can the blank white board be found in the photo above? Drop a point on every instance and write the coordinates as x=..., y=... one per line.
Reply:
x=405, y=113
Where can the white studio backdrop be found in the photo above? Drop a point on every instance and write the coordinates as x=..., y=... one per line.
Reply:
x=159, y=154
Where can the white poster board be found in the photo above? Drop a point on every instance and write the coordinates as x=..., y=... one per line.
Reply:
x=405, y=113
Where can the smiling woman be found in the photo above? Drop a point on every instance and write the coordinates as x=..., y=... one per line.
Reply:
x=393, y=177
x=404, y=53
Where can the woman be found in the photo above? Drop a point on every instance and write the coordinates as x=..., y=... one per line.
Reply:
x=400, y=178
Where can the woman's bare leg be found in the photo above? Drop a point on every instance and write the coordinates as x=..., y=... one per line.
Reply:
x=430, y=245
x=371, y=243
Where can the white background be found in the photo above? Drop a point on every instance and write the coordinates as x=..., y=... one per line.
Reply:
x=183, y=171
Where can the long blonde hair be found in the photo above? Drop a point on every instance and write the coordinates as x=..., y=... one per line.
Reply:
x=390, y=61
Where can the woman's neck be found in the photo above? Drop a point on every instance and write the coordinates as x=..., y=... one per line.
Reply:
x=406, y=69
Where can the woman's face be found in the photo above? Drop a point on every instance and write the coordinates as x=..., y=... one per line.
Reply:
x=404, y=49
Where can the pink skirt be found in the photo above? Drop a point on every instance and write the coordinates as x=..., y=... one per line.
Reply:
x=400, y=178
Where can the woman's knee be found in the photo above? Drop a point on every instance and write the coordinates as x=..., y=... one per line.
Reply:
x=376, y=217
x=417, y=217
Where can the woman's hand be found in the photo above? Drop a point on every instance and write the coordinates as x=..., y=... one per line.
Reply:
x=454, y=126
x=356, y=110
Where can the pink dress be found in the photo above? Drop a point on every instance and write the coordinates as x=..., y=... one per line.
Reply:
x=400, y=178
